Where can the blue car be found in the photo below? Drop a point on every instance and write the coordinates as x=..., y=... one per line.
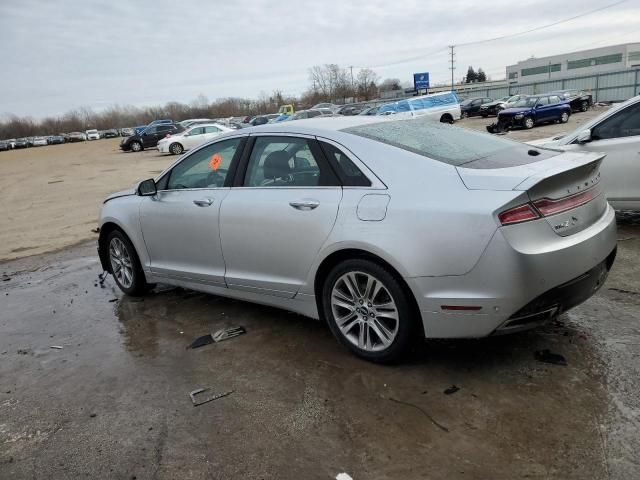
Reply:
x=139, y=130
x=534, y=110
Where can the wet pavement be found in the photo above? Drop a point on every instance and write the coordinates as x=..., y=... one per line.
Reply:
x=114, y=401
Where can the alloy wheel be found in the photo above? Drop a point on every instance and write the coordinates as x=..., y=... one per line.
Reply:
x=176, y=148
x=564, y=118
x=528, y=122
x=136, y=147
x=121, y=263
x=364, y=311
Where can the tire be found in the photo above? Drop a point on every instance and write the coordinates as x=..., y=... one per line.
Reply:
x=529, y=123
x=125, y=264
x=484, y=115
x=464, y=115
x=383, y=338
x=584, y=106
x=564, y=118
x=136, y=146
x=176, y=148
x=446, y=118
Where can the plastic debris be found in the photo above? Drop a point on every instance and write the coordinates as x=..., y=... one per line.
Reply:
x=546, y=356
x=57, y=347
x=343, y=476
x=201, y=341
x=218, y=336
x=451, y=390
x=227, y=333
x=198, y=401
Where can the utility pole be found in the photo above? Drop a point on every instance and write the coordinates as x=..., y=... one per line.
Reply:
x=353, y=90
x=452, y=67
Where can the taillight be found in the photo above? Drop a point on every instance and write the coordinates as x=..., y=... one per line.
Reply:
x=521, y=213
x=547, y=206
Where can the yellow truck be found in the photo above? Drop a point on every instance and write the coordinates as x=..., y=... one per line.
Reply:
x=286, y=110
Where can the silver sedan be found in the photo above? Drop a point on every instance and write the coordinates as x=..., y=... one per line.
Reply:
x=391, y=230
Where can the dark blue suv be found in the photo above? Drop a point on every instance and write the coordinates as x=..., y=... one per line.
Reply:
x=534, y=110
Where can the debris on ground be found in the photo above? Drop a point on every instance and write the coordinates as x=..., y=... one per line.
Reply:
x=95, y=230
x=227, y=333
x=218, y=336
x=113, y=300
x=201, y=341
x=626, y=292
x=343, y=476
x=102, y=277
x=57, y=347
x=198, y=401
x=439, y=425
x=451, y=390
x=22, y=351
x=546, y=356
x=5, y=278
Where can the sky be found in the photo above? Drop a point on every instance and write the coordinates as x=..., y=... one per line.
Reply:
x=57, y=56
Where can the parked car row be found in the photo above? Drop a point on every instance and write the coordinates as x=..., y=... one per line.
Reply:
x=71, y=137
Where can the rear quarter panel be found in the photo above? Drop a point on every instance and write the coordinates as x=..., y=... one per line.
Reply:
x=433, y=226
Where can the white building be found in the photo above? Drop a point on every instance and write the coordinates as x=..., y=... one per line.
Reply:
x=585, y=62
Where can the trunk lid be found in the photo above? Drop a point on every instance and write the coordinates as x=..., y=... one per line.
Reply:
x=562, y=180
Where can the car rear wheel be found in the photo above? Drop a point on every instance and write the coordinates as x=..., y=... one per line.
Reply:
x=446, y=118
x=368, y=310
x=584, y=106
x=564, y=118
x=125, y=264
x=176, y=148
x=528, y=123
x=136, y=146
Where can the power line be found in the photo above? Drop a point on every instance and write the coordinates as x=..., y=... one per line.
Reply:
x=524, y=32
x=543, y=26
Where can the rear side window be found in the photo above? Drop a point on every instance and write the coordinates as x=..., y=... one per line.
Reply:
x=452, y=145
x=349, y=173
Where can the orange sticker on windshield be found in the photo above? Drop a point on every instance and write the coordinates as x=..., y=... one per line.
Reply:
x=215, y=162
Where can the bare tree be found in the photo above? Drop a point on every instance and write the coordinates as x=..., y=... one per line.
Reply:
x=366, y=84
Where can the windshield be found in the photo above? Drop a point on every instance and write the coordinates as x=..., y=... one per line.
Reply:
x=526, y=102
x=452, y=145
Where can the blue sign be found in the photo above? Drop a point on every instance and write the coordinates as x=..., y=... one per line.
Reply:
x=421, y=80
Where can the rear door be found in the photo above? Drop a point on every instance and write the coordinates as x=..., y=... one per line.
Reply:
x=278, y=215
x=149, y=136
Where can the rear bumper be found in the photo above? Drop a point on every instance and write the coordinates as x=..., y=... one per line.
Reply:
x=163, y=147
x=516, y=270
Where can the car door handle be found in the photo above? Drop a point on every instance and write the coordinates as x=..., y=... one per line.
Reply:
x=204, y=202
x=305, y=204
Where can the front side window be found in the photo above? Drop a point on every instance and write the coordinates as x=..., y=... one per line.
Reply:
x=205, y=168
x=625, y=123
x=285, y=162
x=150, y=131
x=196, y=131
x=211, y=129
x=543, y=101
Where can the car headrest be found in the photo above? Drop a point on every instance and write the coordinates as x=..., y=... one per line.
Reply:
x=276, y=165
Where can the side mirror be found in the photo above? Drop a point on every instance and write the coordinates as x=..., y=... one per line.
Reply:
x=584, y=136
x=147, y=188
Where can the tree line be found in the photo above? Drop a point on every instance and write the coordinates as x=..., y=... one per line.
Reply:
x=327, y=83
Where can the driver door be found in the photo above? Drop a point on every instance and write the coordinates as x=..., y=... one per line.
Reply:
x=180, y=223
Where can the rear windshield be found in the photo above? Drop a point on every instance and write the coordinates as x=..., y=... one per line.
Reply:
x=452, y=145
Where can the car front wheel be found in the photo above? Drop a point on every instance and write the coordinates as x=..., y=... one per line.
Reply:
x=584, y=106
x=125, y=264
x=564, y=118
x=368, y=310
x=136, y=146
x=529, y=123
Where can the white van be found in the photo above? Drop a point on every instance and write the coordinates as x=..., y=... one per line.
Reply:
x=443, y=106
